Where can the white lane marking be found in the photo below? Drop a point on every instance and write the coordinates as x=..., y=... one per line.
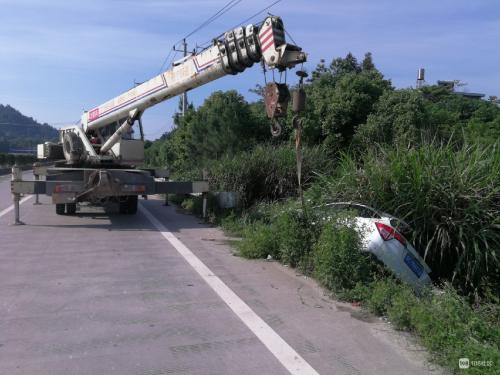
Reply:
x=11, y=207
x=288, y=357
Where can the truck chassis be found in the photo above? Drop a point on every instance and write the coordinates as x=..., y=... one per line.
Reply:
x=69, y=186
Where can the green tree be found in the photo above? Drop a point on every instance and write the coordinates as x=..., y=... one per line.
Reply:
x=397, y=118
x=340, y=98
x=224, y=124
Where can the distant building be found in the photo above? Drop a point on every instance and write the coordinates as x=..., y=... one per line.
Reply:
x=452, y=86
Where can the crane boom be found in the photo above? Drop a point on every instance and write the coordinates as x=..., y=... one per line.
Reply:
x=103, y=136
x=236, y=51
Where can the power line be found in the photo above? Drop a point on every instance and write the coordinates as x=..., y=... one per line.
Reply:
x=165, y=61
x=231, y=4
x=226, y=8
x=246, y=20
x=259, y=12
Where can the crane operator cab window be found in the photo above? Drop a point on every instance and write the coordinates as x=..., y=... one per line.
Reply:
x=108, y=130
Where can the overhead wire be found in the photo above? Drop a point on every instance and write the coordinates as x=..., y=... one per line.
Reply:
x=226, y=8
x=259, y=12
x=246, y=20
x=165, y=60
x=231, y=4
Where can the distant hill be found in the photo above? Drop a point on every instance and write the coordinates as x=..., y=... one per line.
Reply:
x=18, y=131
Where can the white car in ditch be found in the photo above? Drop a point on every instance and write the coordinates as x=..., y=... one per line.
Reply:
x=382, y=235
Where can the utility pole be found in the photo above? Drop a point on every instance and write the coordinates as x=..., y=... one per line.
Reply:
x=184, y=95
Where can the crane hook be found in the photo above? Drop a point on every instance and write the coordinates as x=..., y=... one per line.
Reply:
x=275, y=127
x=276, y=98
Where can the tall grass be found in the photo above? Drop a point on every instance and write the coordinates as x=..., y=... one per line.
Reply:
x=450, y=197
x=267, y=172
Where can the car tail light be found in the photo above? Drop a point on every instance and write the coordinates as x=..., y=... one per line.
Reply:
x=388, y=233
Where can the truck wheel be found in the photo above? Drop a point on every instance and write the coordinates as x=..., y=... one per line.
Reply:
x=60, y=208
x=132, y=204
x=128, y=205
x=71, y=208
x=72, y=147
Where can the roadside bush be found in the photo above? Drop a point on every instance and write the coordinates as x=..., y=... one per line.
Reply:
x=267, y=172
x=378, y=295
x=450, y=198
x=259, y=241
x=281, y=230
x=445, y=323
x=339, y=263
x=297, y=235
x=8, y=160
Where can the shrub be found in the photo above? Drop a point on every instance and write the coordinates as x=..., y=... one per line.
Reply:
x=259, y=241
x=446, y=324
x=296, y=237
x=379, y=295
x=266, y=173
x=281, y=230
x=339, y=263
x=450, y=198
x=8, y=160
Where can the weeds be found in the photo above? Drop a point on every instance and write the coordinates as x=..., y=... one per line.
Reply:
x=339, y=263
x=266, y=173
x=451, y=198
x=445, y=323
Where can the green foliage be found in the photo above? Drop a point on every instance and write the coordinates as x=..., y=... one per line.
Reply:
x=9, y=160
x=224, y=125
x=398, y=118
x=266, y=173
x=379, y=295
x=450, y=197
x=259, y=241
x=339, y=262
x=409, y=118
x=297, y=235
x=281, y=230
x=340, y=98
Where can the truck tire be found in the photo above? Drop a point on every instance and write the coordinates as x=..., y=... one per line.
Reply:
x=72, y=147
x=71, y=208
x=132, y=204
x=60, y=208
x=128, y=205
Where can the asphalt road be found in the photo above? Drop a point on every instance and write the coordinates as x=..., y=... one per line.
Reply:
x=160, y=293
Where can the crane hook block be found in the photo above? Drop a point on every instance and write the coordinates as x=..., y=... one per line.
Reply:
x=276, y=98
x=298, y=100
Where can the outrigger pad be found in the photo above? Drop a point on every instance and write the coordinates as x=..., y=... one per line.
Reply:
x=276, y=98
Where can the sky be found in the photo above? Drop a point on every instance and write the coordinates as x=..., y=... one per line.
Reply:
x=60, y=57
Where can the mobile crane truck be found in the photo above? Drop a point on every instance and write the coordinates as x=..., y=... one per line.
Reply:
x=98, y=159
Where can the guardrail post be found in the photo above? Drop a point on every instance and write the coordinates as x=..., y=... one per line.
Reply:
x=204, y=205
x=37, y=178
x=166, y=194
x=16, y=197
